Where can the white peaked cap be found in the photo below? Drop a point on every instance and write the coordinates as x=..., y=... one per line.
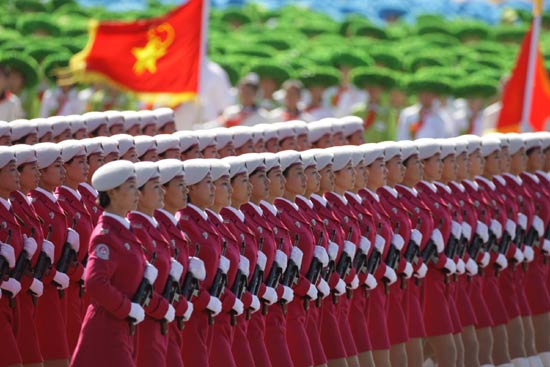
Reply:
x=6, y=156
x=219, y=168
x=350, y=125
x=114, y=118
x=545, y=138
x=357, y=155
x=288, y=158
x=448, y=147
x=408, y=149
x=461, y=145
x=94, y=120
x=93, y=145
x=223, y=136
x=391, y=149
x=317, y=129
x=21, y=128
x=271, y=160
x=77, y=123
x=323, y=157
x=196, y=170
x=300, y=127
x=144, y=144
x=474, y=142
x=146, y=118
x=341, y=157
x=43, y=126
x=146, y=171
x=206, y=138
x=113, y=174
x=531, y=140
x=504, y=143
x=59, y=124
x=271, y=131
x=108, y=144
x=284, y=130
x=166, y=142
x=241, y=134
x=164, y=115
x=308, y=158
x=72, y=148
x=5, y=129
x=187, y=139
x=372, y=152
x=257, y=133
x=46, y=154
x=131, y=119
x=516, y=143
x=24, y=154
x=427, y=147
x=169, y=169
x=489, y=145
x=125, y=143
x=253, y=161
x=237, y=165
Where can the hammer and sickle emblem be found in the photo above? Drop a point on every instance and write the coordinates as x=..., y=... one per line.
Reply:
x=158, y=41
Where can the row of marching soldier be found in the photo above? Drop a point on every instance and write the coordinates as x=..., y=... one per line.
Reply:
x=341, y=254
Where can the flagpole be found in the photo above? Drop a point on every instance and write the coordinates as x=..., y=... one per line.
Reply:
x=529, y=82
x=204, y=40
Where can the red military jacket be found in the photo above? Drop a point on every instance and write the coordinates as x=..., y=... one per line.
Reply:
x=11, y=233
x=89, y=198
x=523, y=197
x=28, y=220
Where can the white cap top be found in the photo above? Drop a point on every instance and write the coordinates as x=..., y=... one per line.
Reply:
x=461, y=145
x=187, y=139
x=125, y=143
x=112, y=175
x=391, y=149
x=516, y=143
x=448, y=147
x=196, y=170
x=218, y=168
x=357, y=154
x=206, y=138
x=318, y=129
x=241, y=135
x=271, y=160
x=341, y=157
x=284, y=130
x=93, y=145
x=5, y=129
x=146, y=118
x=94, y=120
x=253, y=162
x=6, y=156
x=108, y=144
x=223, y=136
x=114, y=118
x=71, y=148
x=43, y=126
x=308, y=158
x=166, y=142
x=170, y=169
x=532, y=140
x=474, y=142
x=545, y=138
x=131, y=119
x=489, y=145
x=257, y=133
x=144, y=144
x=21, y=128
x=288, y=158
x=46, y=154
x=146, y=171
x=164, y=115
x=237, y=165
x=300, y=127
x=408, y=149
x=271, y=131
x=24, y=154
x=350, y=125
x=77, y=123
x=372, y=152
x=59, y=125
x=504, y=143
x=427, y=147
x=323, y=157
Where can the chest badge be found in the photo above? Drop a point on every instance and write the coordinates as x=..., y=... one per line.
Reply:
x=127, y=246
x=51, y=215
x=313, y=222
x=205, y=235
x=298, y=224
x=346, y=219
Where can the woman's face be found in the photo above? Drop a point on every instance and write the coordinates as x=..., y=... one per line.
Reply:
x=191, y=153
x=9, y=178
x=77, y=169
x=518, y=161
x=313, y=179
x=151, y=195
x=534, y=159
x=433, y=167
x=396, y=170
x=201, y=194
x=126, y=196
x=504, y=160
x=345, y=178
x=476, y=163
x=360, y=175
x=171, y=154
x=53, y=175
x=130, y=155
x=29, y=176
x=222, y=192
x=210, y=152
x=150, y=156
x=492, y=163
x=175, y=194
x=377, y=174
x=414, y=169
x=357, y=138
x=327, y=179
x=462, y=166
x=260, y=184
x=449, y=168
x=247, y=147
x=94, y=162
x=289, y=143
x=324, y=142
x=227, y=151
x=277, y=182
x=241, y=189
x=296, y=180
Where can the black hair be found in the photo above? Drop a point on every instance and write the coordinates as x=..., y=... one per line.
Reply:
x=531, y=150
x=103, y=199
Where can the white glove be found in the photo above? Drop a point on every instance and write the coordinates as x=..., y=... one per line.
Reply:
x=502, y=262
x=255, y=304
x=73, y=238
x=416, y=237
x=150, y=273
x=522, y=221
x=288, y=294
x=61, y=280
x=421, y=272
x=269, y=296
x=460, y=267
x=467, y=230
x=9, y=253
x=261, y=260
x=244, y=265
x=511, y=228
x=340, y=287
x=170, y=314
x=371, y=282
x=332, y=250
x=48, y=248
x=30, y=245
x=496, y=228
x=196, y=267
x=456, y=229
x=354, y=283
x=408, y=271
x=281, y=259
x=518, y=256
x=312, y=292
x=437, y=237
x=323, y=288
x=485, y=260
x=482, y=231
x=380, y=243
x=176, y=269
x=137, y=313
x=471, y=267
x=11, y=285
x=214, y=305
x=397, y=241
x=224, y=263
x=545, y=246
x=320, y=254
x=364, y=245
x=350, y=248
x=528, y=253
x=538, y=225
x=450, y=266
x=238, y=307
x=297, y=256
x=37, y=288
x=390, y=275
x=190, y=308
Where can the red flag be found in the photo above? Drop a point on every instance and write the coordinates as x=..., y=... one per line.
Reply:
x=513, y=95
x=158, y=59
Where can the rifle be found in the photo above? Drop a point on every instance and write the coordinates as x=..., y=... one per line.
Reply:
x=239, y=285
x=274, y=275
x=218, y=285
x=314, y=271
x=142, y=297
x=257, y=275
x=22, y=267
x=327, y=272
x=171, y=293
x=189, y=287
x=343, y=267
x=450, y=251
x=503, y=247
x=67, y=258
x=43, y=264
x=290, y=276
x=4, y=264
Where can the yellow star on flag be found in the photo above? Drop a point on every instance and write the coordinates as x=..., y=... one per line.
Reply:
x=146, y=57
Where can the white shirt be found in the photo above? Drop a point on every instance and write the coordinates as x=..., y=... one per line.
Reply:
x=462, y=120
x=437, y=124
x=348, y=98
x=50, y=103
x=215, y=90
x=10, y=108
